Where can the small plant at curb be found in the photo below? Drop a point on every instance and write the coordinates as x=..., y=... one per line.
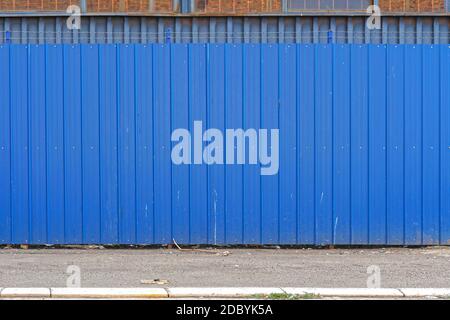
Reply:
x=286, y=296
x=310, y=296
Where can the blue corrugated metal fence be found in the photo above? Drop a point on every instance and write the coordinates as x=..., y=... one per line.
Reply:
x=85, y=144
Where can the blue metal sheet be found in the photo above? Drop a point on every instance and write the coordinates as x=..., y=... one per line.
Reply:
x=144, y=145
x=86, y=144
x=5, y=146
x=37, y=142
x=198, y=106
x=377, y=144
x=323, y=101
x=306, y=87
x=234, y=119
x=180, y=119
x=90, y=140
x=444, y=148
x=162, y=111
x=413, y=145
x=55, y=143
x=73, y=162
x=216, y=119
x=20, y=205
x=126, y=87
x=341, y=146
x=270, y=107
x=108, y=128
x=430, y=137
x=359, y=117
x=395, y=174
x=251, y=119
x=288, y=144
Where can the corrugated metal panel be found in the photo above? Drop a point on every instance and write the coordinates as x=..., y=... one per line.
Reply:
x=85, y=144
x=287, y=29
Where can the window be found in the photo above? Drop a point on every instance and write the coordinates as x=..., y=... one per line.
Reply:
x=341, y=5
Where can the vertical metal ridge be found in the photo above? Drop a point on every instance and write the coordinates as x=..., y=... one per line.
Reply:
x=261, y=63
x=225, y=102
x=421, y=143
x=297, y=144
x=279, y=126
x=404, y=146
x=333, y=213
x=208, y=106
x=61, y=48
x=46, y=147
x=350, y=146
x=368, y=142
x=440, y=149
x=171, y=111
x=135, y=145
x=29, y=187
x=119, y=202
x=189, y=70
x=386, y=73
x=153, y=144
x=243, y=104
x=10, y=144
x=314, y=145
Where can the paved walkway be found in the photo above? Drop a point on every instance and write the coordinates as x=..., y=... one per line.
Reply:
x=399, y=268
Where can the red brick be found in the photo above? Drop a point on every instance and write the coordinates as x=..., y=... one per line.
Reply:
x=237, y=6
x=203, y=6
x=36, y=5
x=412, y=5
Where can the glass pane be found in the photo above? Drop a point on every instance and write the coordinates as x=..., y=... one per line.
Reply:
x=341, y=4
x=326, y=4
x=296, y=4
x=312, y=4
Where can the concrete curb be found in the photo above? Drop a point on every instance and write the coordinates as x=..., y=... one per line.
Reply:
x=222, y=292
x=25, y=293
x=162, y=293
x=426, y=292
x=108, y=293
x=346, y=292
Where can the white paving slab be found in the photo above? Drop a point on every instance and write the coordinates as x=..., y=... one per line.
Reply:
x=345, y=292
x=221, y=292
x=242, y=292
x=25, y=293
x=108, y=293
x=426, y=292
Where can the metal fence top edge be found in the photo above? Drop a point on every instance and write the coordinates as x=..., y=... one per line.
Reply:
x=225, y=15
x=218, y=45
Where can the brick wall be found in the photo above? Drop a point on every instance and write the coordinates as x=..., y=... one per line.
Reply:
x=203, y=6
x=92, y=5
x=274, y=6
x=238, y=6
x=412, y=5
x=36, y=5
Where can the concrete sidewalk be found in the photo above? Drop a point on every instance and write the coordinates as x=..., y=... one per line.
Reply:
x=279, y=268
x=224, y=293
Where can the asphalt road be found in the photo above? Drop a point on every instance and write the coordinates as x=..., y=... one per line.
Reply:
x=399, y=267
